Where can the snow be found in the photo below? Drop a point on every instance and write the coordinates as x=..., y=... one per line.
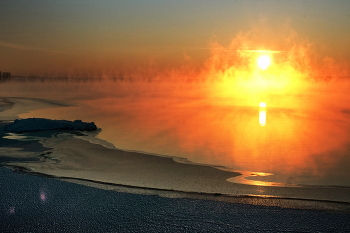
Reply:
x=41, y=124
x=70, y=207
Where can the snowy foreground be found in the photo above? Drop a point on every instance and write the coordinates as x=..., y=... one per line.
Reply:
x=50, y=205
x=41, y=124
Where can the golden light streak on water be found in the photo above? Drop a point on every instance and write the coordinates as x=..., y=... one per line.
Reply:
x=248, y=178
x=262, y=114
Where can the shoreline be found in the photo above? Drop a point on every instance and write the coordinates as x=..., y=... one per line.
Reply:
x=269, y=197
x=54, y=205
x=77, y=160
x=259, y=200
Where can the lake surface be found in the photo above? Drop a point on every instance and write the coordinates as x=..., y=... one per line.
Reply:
x=300, y=137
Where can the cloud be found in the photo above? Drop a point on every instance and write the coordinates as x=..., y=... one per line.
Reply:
x=23, y=47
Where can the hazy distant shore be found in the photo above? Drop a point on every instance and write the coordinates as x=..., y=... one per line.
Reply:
x=84, y=159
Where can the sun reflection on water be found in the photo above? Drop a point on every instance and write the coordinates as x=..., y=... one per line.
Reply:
x=257, y=179
x=262, y=114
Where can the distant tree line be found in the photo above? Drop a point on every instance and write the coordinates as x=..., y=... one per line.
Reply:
x=7, y=77
x=4, y=76
x=36, y=79
x=33, y=79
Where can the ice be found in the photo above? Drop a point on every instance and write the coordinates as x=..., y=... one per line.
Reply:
x=41, y=124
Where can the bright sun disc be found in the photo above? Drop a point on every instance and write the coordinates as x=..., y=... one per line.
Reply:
x=262, y=105
x=264, y=61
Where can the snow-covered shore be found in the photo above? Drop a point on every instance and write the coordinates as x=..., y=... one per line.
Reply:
x=40, y=204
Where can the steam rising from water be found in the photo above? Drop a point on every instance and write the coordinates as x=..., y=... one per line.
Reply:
x=211, y=115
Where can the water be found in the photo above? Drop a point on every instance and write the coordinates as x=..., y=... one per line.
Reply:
x=297, y=138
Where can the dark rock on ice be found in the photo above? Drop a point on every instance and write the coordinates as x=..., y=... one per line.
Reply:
x=41, y=124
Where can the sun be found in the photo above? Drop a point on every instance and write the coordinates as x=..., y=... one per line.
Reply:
x=264, y=61
x=262, y=105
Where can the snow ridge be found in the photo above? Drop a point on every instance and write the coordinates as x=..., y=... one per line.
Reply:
x=42, y=124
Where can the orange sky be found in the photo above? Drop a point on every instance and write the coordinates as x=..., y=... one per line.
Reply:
x=79, y=38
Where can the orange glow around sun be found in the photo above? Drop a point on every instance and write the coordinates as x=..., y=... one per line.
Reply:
x=249, y=76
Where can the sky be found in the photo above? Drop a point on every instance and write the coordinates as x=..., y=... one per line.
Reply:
x=85, y=37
